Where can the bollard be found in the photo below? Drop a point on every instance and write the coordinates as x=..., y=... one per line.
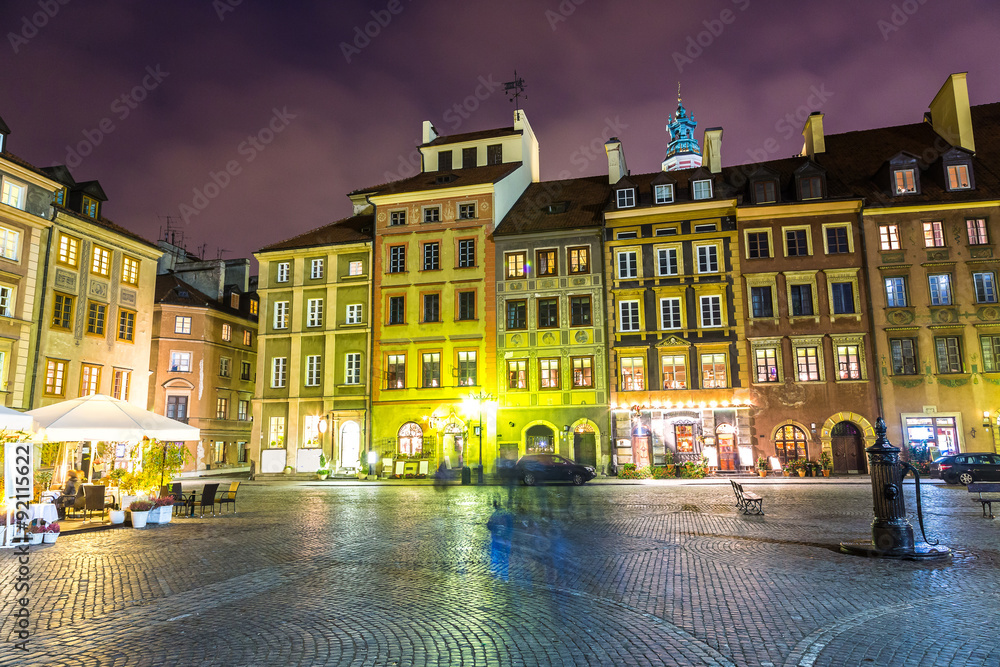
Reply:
x=892, y=534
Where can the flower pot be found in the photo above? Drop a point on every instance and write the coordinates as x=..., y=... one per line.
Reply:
x=161, y=514
x=762, y=473
x=117, y=517
x=802, y=473
x=50, y=538
x=139, y=519
x=826, y=473
x=35, y=538
x=320, y=476
x=786, y=473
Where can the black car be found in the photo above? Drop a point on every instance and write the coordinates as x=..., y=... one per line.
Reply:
x=535, y=468
x=967, y=468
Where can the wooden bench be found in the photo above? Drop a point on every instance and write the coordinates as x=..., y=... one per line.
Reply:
x=747, y=501
x=992, y=488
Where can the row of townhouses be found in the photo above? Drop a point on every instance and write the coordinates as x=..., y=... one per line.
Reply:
x=474, y=312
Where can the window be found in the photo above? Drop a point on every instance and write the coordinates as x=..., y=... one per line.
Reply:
x=583, y=375
x=182, y=324
x=247, y=337
x=280, y=314
x=906, y=181
x=356, y=268
x=466, y=211
x=666, y=261
x=352, y=368
x=708, y=259
x=766, y=364
x=466, y=305
x=811, y=187
x=958, y=177
x=977, y=231
x=227, y=332
x=180, y=362
x=628, y=316
x=225, y=367
x=432, y=256
x=666, y=231
x=121, y=381
x=6, y=303
x=548, y=373
x=397, y=259
x=177, y=407
x=807, y=364
x=548, y=313
x=13, y=194
x=940, y=289
x=670, y=313
x=704, y=229
x=933, y=235
x=9, y=243
x=888, y=236
x=764, y=192
x=761, y=302
x=895, y=292
x=314, y=313
x=245, y=370
x=89, y=207
x=314, y=365
x=243, y=410
x=986, y=288
x=126, y=325
x=949, y=354
x=494, y=154
x=397, y=218
x=663, y=194
x=469, y=157
x=626, y=235
x=545, y=263
x=836, y=240
x=626, y=197
x=628, y=264
x=633, y=374
x=848, y=362
x=517, y=314
x=101, y=261
x=466, y=253
x=701, y=189
x=802, y=301
x=397, y=310
x=55, y=377
x=432, y=308
x=283, y=272
x=432, y=214
x=234, y=300
x=713, y=371
x=315, y=269
x=467, y=368
x=431, y=369
x=62, y=312
x=991, y=353
x=842, y=298
x=253, y=306
x=796, y=242
x=354, y=311
x=445, y=160
x=579, y=260
x=90, y=379
x=758, y=245
x=674, y=371
x=395, y=371
x=515, y=264
x=579, y=311
x=279, y=372
x=711, y=311
x=276, y=431
x=95, y=318
x=221, y=410
x=69, y=249
x=517, y=374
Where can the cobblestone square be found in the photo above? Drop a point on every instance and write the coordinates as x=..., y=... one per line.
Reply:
x=623, y=574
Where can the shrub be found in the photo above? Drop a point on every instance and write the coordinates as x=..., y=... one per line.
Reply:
x=140, y=506
x=695, y=470
x=664, y=472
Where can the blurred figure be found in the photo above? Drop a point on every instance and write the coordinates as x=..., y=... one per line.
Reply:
x=443, y=476
x=70, y=491
x=501, y=527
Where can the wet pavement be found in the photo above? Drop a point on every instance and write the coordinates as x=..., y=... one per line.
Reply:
x=642, y=574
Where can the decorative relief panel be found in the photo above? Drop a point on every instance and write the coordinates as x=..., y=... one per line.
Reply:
x=128, y=297
x=938, y=255
x=988, y=313
x=98, y=289
x=549, y=338
x=981, y=253
x=548, y=283
x=581, y=336
x=944, y=315
x=65, y=280
x=579, y=281
x=893, y=257
x=899, y=317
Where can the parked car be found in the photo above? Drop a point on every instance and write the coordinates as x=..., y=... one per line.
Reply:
x=535, y=468
x=967, y=468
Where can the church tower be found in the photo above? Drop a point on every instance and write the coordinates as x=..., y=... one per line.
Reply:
x=683, y=151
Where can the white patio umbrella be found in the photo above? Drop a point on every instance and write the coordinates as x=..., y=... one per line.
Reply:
x=100, y=417
x=12, y=420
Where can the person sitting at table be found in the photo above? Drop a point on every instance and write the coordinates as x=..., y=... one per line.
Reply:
x=72, y=489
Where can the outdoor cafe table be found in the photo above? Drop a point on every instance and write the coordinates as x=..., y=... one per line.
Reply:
x=46, y=511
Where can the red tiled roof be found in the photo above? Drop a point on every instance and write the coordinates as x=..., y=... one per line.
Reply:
x=355, y=229
x=552, y=205
x=432, y=180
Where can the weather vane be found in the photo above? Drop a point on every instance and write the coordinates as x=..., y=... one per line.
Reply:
x=514, y=90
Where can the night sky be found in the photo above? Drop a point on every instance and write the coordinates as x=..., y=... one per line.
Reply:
x=153, y=98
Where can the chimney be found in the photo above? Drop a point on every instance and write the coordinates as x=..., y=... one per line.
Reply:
x=815, y=141
x=616, y=160
x=713, y=150
x=950, y=114
x=429, y=132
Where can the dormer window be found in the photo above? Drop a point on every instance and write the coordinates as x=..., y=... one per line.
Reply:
x=811, y=187
x=444, y=161
x=765, y=192
x=89, y=207
x=13, y=194
x=664, y=194
x=905, y=181
x=60, y=197
x=701, y=189
x=958, y=177
x=626, y=198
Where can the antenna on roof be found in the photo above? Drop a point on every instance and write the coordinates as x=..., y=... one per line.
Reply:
x=222, y=250
x=172, y=232
x=517, y=86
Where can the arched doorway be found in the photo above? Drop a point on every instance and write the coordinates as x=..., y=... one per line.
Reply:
x=640, y=446
x=411, y=439
x=540, y=439
x=790, y=443
x=454, y=444
x=350, y=444
x=585, y=445
x=848, y=448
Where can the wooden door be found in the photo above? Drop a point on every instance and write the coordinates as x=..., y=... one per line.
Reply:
x=585, y=449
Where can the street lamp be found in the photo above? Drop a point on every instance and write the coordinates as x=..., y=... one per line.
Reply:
x=479, y=399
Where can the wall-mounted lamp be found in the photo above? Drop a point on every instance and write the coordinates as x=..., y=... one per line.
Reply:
x=986, y=419
x=566, y=428
x=972, y=431
x=322, y=425
x=511, y=424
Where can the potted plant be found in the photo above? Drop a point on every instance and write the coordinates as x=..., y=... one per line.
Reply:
x=362, y=470
x=51, y=533
x=288, y=470
x=801, y=466
x=763, y=466
x=35, y=531
x=140, y=512
x=826, y=461
x=324, y=468
x=117, y=516
x=163, y=510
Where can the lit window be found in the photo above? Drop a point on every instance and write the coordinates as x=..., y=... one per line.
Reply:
x=633, y=374
x=515, y=264
x=548, y=373
x=949, y=354
x=467, y=373
x=6, y=303
x=517, y=374
x=583, y=372
x=906, y=181
x=55, y=377
x=121, y=382
x=182, y=325
x=904, y=356
x=958, y=177
x=9, y=243
x=90, y=379
x=766, y=364
x=701, y=189
x=177, y=407
x=13, y=194
x=431, y=370
x=626, y=198
x=100, y=265
x=180, y=362
x=243, y=412
x=848, y=362
x=933, y=235
x=807, y=364
x=940, y=286
x=276, y=431
x=221, y=412
x=355, y=269
x=395, y=371
x=69, y=249
x=888, y=237
x=664, y=194
x=130, y=271
x=247, y=337
x=895, y=292
x=713, y=371
x=579, y=260
x=977, y=231
x=227, y=332
x=674, y=371
x=545, y=263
